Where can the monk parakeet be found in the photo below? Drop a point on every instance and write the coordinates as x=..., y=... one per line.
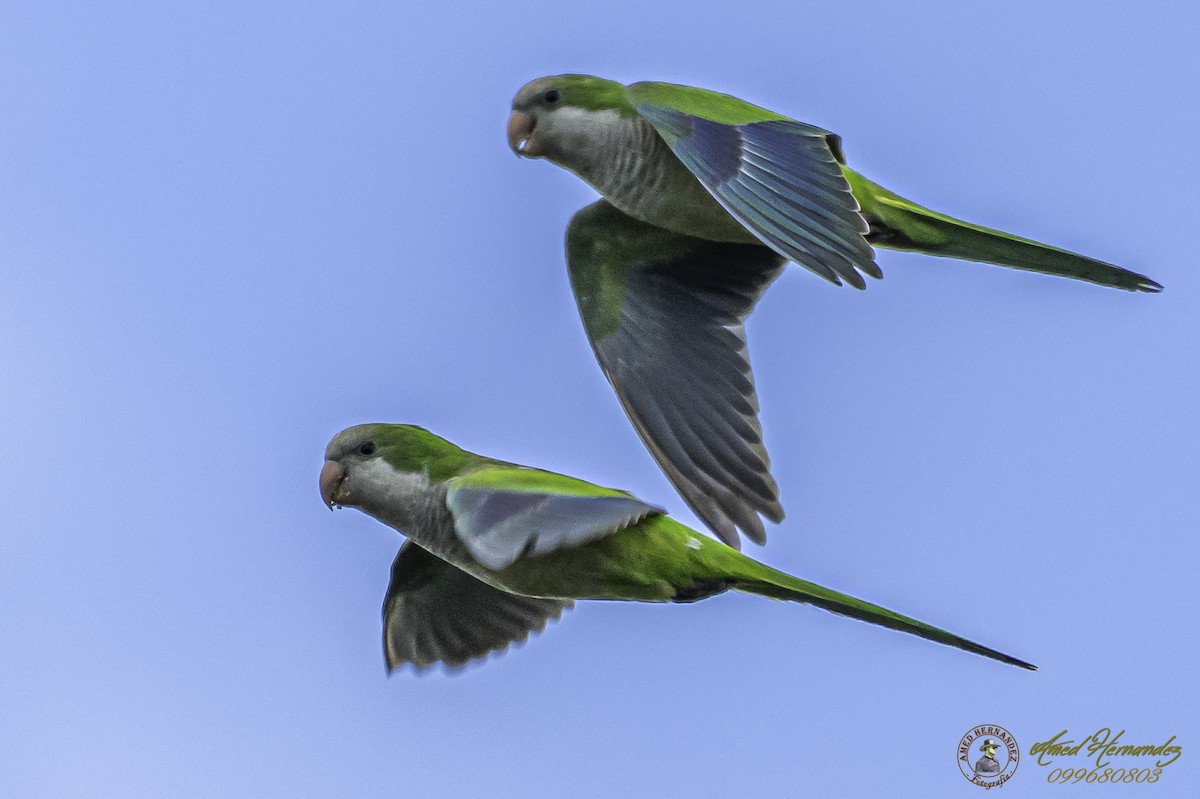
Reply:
x=705, y=198
x=495, y=551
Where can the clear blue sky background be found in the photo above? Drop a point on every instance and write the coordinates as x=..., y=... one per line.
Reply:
x=227, y=232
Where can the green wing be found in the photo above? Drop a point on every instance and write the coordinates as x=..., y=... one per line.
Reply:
x=437, y=613
x=664, y=314
x=504, y=513
x=780, y=178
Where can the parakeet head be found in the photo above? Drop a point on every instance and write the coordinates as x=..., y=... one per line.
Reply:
x=547, y=111
x=365, y=460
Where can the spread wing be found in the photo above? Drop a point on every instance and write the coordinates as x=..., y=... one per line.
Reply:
x=504, y=513
x=664, y=314
x=780, y=178
x=437, y=613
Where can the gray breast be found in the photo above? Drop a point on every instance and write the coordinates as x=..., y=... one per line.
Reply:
x=634, y=169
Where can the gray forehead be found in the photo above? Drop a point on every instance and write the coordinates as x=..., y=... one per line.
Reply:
x=347, y=440
x=534, y=88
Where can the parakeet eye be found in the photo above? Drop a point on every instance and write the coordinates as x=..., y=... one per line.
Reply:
x=366, y=448
x=551, y=96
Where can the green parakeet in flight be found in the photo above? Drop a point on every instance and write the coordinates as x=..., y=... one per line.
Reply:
x=705, y=198
x=495, y=551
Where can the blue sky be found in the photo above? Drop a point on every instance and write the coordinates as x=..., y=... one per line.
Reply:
x=227, y=233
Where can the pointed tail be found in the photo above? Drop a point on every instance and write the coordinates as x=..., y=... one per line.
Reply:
x=756, y=578
x=903, y=225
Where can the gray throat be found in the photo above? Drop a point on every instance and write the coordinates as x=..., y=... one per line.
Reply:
x=414, y=506
x=626, y=160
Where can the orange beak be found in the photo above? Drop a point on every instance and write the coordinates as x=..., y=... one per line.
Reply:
x=520, y=135
x=333, y=489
